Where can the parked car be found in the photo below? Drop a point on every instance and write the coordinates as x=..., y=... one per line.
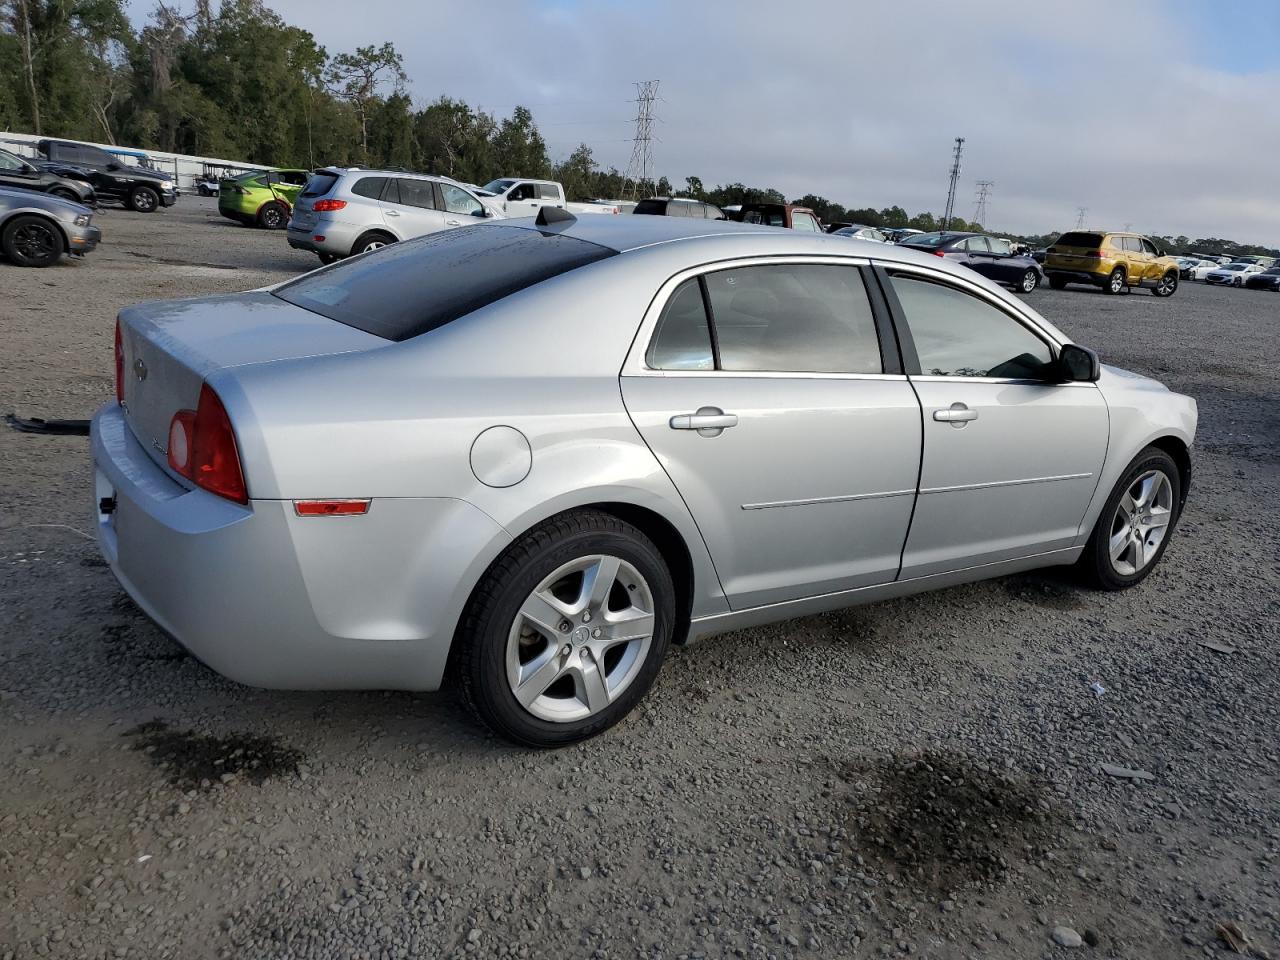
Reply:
x=1193, y=268
x=780, y=215
x=519, y=197
x=993, y=257
x=1268, y=279
x=859, y=232
x=898, y=234
x=207, y=186
x=345, y=211
x=1232, y=275
x=36, y=229
x=679, y=207
x=19, y=174
x=1263, y=262
x=137, y=188
x=483, y=426
x=262, y=198
x=1112, y=261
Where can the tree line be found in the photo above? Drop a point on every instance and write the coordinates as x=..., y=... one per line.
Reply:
x=239, y=82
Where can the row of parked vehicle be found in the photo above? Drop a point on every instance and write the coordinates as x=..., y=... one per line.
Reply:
x=1256, y=273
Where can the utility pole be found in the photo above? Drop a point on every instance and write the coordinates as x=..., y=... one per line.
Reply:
x=951, y=190
x=640, y=169
x=980, y=210
x=1080, y=212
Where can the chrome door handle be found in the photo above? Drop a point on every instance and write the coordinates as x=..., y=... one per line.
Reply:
x=454, y=223
x=708, y=421
x=957, y=415
x=393, y=213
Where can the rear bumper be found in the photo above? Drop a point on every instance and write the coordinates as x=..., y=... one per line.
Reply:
x=272, y=600
x=1076, y=276
x=338, y=240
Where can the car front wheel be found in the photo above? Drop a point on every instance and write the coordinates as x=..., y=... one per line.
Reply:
x=1166, y=286
x=144, y=200
x=1134, y=528
x=31, y=241
x=1030, y=280
x=567, y=630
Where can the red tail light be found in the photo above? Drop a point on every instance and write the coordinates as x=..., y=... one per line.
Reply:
x=119, y=365
x=939, y=253
x=202, y=448
x=326, y=206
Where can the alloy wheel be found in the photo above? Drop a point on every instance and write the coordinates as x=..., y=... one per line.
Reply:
x=35, y=242
x=1166, y=285
x=143, y=201
x=1116, y=281
x=1030, y=281
x=580, y=638
x=373, y=245
x=1140, y=523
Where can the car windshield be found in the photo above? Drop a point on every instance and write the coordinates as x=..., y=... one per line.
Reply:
x=497, y=186
x=409, y=288
x=1236, y=266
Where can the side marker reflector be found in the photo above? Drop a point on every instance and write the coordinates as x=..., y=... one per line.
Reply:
x=330, y=508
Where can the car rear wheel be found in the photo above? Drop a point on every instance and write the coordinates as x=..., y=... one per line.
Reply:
x=1166, y=286
x=273, y=216
x=567, y=630
x=371, y=241
x=1057, y=283
x=1237, y=282
x=1116, y=282
x=30, y=241
x=63, y=194
x=1134, y=528
x=143, y=200
x=1030, y=280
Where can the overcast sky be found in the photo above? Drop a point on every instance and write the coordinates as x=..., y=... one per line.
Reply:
x=1163, y=115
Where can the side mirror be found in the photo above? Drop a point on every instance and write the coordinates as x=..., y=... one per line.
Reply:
x=1078, y=364
x=113, y=165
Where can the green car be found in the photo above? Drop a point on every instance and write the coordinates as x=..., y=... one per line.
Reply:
x=263, y=198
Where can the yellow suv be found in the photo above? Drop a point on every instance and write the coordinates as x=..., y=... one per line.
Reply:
x=1112, y=261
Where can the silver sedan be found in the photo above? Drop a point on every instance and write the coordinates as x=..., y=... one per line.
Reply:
x=530, y=456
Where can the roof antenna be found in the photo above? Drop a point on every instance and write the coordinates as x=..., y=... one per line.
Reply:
x=549, y=215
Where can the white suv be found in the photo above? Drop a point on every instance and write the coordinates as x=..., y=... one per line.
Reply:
x=345, y=211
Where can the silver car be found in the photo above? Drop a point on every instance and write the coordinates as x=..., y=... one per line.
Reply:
x=345, y=211
x=537, y=454
x=36, y=229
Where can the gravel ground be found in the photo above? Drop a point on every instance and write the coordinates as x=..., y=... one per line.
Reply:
x=920, y=777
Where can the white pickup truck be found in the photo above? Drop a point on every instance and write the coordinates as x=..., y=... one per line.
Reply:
x=523, y=198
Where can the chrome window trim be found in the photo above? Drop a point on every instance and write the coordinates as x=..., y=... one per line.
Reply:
x=929, y=378
x=637, y=366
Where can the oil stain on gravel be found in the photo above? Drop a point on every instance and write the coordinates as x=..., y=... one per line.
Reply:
x=941, y=822
x=194, y=761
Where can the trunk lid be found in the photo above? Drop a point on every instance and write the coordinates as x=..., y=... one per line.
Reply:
x=172, y=347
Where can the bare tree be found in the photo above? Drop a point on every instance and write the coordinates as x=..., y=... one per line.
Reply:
x=20, y=16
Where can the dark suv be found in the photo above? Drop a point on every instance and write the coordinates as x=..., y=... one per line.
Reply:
x=679, y=207
x=18, y=174
x=137, y=188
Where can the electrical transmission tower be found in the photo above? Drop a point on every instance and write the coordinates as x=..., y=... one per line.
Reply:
x=980, y=210
x=951, y=190
x=640, y=169
x=1080, y=212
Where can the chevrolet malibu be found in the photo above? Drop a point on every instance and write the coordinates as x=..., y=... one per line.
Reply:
x=527, y=457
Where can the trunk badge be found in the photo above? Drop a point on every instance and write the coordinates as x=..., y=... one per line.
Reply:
x=140, y=369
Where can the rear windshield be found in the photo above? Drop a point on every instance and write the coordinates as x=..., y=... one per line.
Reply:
x=409, y=288
x=319, y=184
x=1090, y=240
x=927, y=240
x=658, y=207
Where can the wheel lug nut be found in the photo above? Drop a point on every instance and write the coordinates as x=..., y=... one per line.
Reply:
x=566, y=649
x=564, y=626
x=596, y=633
x=586, y=617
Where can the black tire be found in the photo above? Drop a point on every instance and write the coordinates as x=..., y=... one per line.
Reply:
x=1028, y=283
x=143, y=200
x=63, y=194
x=273, y=216
x=1237, y=282
x=31, y=241
x=1095, y=564
x=1057, y=283
x=1116, y=282
x=482, y=641
x=372, y=240
x=1166, y=286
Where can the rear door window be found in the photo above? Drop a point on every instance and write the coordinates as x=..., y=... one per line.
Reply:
x=418, y=285
x=682, y=338
x=416, y=193
x=793, y=318
x=977, y=245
